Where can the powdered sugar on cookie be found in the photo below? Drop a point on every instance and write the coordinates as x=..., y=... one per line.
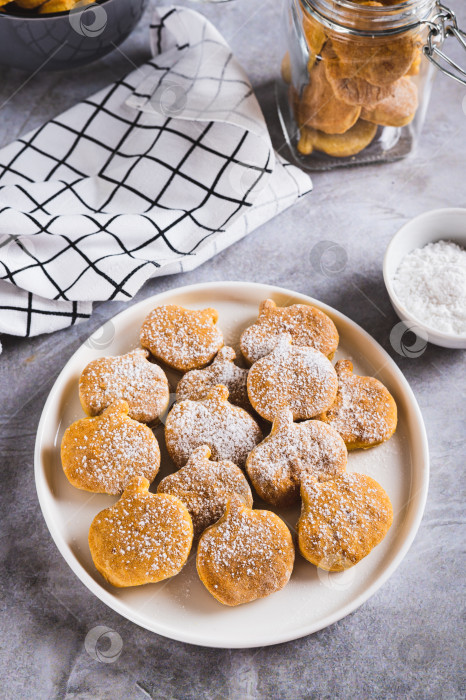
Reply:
x=141, y=539
x=299, y=377
x=342, y=519
x=248, y=554
x=205, y=487
x=131, y=377
x=104, y=454
x=228, y=430
x=364, y=412
x=195, y=385
x=308, y=327
x=277, y=465
x=182, y=338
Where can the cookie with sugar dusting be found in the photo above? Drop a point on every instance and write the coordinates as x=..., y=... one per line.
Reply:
x=144, y=538
x=182, y=338
x=229, y=431
x=307, y=326
x=196, y=384
x=342, y=520
x=103, y=454
x=131, y=377
x=205, y=487
x=364, y=411
x=277, y=465
x=295, y=376
x=247, y=554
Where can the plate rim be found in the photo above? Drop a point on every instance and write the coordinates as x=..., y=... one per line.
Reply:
x=189, y=636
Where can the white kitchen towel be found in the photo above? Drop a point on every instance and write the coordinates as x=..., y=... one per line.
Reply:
x=151, y=176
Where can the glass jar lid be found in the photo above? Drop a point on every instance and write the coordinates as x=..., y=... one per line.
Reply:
x=349, y=17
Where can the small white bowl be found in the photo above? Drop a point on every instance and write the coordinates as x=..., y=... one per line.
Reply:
x=435, y=225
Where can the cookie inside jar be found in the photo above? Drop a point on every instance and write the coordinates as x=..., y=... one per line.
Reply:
x=355, y=82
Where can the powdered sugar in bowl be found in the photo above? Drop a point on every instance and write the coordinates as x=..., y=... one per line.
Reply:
x=409, y=282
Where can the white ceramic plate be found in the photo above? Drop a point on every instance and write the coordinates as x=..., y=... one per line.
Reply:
x=181, y=608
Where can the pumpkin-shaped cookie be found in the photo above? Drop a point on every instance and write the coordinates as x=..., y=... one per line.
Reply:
x=349, y=84
x=319, y=108
x=205, y=487
x=344, y=145
x=295, y=376
x=143, y=538
x=196, y=384
x=364, y=411
x=182, y=338
x=277, y=465
x=342, y=520
x=142, y=384
x=307, y=326
x=247, y=554
x=229, y=431
x=379, y=62
x=358, y=92
x=103, y=454
x=398, y=109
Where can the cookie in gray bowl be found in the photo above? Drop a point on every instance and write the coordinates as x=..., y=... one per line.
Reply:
x=64, y=40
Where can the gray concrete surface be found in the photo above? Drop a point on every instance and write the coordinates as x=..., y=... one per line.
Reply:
x=406, y=642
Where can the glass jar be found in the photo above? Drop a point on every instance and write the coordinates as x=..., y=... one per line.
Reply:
x=357, y=76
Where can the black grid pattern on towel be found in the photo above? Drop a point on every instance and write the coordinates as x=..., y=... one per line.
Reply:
x=37, y=314
x=46, y=183
x=70, y=178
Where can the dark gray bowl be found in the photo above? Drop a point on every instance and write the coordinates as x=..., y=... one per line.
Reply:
x=66, y=40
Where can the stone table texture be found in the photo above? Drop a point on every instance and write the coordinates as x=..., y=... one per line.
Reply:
x=406, y=641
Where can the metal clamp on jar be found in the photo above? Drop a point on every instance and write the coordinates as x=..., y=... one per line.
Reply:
x=357, y=76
